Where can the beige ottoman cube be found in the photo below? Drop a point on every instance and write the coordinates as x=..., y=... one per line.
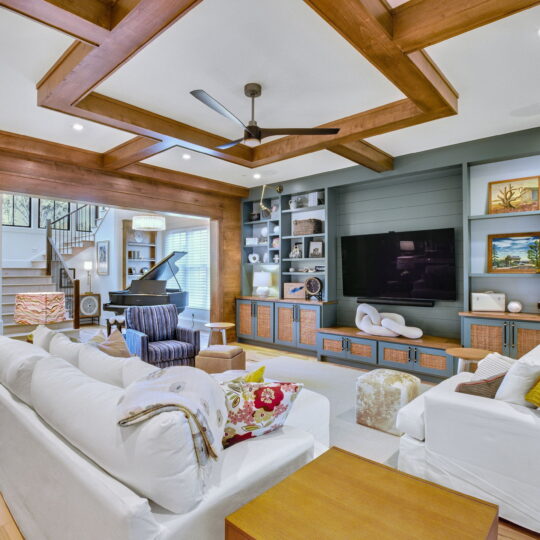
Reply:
x=379, y=396
x=219, y=358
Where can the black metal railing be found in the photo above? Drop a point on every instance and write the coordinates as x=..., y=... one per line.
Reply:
x=71, y=231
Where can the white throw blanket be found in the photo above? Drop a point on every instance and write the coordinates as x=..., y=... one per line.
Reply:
x=185, y=389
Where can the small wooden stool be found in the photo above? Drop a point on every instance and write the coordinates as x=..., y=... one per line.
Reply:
x=468, y=358
x=219, y=358
x=219, y=327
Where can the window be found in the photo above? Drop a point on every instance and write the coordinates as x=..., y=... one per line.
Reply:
x=53, y=210
x=85, y=217
x=194, y=268
x=16, y=211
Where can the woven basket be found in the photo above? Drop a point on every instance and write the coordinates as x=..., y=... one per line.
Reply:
x=307, y=226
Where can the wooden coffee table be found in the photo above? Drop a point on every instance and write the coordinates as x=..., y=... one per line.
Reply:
x=343, y=496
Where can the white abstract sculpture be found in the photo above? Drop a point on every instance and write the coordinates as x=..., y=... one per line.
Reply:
x=370, y=321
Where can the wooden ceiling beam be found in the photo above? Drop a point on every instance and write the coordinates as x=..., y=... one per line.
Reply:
x=420, y=23
x=365, y=154
x=362, y=24
x=56, y=154
x=87, y=20
x=136, y=149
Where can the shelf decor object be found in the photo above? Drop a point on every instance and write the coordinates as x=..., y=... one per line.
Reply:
x=514, y=253
x=149, y=223
x=518, y=195
x=262, y=281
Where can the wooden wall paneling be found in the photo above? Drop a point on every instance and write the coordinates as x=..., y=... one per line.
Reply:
x=420, y=23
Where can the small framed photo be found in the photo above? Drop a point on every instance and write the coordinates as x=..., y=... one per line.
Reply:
x=102, y=257
x=519, y=195
x=316, y=250
x=514, y=253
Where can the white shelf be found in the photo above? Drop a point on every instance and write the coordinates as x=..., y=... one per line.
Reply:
x=508, y=215
x=509, y=275
x=305, y=209
x=303, y=273
x=313, y=259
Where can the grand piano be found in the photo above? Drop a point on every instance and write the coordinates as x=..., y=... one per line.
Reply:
x=151, y=288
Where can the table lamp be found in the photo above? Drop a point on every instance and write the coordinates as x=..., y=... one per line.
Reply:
x=39, y=308
x=87, y=265
x=263, y=281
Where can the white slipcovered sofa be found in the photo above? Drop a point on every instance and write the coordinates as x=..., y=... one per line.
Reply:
x=483, y=447
x=56, y=491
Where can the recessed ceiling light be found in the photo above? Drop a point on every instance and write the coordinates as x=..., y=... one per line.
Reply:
x=186, y=156
x=78, y=127
x=256, y=176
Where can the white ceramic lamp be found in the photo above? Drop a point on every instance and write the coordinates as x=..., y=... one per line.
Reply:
x=263, y=281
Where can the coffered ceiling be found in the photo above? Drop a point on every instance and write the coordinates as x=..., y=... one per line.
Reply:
x=354, y=64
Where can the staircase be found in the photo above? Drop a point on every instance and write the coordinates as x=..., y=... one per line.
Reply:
x=49, y=272
x=17, y=280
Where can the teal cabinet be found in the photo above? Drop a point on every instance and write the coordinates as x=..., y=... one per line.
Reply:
x=513, y=338
x=347, y=348
x=296, y=325
x=422, y=360
x=255, y=320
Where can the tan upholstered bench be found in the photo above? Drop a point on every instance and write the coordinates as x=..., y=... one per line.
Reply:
x=219, y=358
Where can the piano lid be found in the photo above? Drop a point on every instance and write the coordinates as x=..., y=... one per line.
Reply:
x=166, y=268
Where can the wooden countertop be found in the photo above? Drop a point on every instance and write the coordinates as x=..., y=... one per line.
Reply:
x=287, y=300
x=435, y=342
x=534, y=317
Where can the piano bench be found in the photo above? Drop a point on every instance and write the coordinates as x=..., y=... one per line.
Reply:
x=118, y=320
x=219, y=358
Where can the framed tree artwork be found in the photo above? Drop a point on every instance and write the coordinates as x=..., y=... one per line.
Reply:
x=102, y=257
x=514, y=253
x=519, y=195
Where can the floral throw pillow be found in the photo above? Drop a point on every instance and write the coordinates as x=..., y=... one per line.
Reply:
x=255, y=409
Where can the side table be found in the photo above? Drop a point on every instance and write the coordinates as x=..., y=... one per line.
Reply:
x=468, y=358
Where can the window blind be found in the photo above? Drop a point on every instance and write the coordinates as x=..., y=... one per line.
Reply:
x=194, y=268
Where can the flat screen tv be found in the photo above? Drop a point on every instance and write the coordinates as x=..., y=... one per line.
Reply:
x=400, y=266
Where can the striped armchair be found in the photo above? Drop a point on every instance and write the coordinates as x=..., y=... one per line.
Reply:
x=153, y=334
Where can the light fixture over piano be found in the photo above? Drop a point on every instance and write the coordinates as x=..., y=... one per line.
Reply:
x=148, y=223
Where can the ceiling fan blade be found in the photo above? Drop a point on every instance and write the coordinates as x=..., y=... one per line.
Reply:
x=209, y=101
x=229, y=144
x=298, y=131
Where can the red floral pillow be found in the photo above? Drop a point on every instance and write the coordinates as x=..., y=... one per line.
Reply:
x=256, y=408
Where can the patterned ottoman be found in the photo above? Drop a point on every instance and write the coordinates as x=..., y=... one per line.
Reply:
x=379, y=396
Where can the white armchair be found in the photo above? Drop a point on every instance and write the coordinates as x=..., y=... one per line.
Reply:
x=483, y=447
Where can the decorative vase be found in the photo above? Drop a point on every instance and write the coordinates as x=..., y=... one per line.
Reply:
x=266, y=258
x=293, y=204
x=514, y=306
x=276, y=229
x=264, y=231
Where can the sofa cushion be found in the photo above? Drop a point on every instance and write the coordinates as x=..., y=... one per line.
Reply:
x=42, y=336
x=155, y=458
x=164, y=351
x=101, y=366
x=115, y=345
x=483, y=388
x=410, y=419
x=17, y=362
x=63, y=347
x=134, y=368
x=492, y=364
x=256, y=409
x=520, y=378
x=533, y=395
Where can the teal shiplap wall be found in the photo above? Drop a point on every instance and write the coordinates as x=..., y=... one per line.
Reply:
x=425, y=201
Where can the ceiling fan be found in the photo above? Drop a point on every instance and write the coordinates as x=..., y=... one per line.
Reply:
x=253, y=134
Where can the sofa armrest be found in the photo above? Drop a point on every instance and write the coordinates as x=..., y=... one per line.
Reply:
x=188, y=335
x=490, y=435
x=137, y=343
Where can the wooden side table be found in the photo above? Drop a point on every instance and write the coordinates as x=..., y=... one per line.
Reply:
x=468, y=357
x=343, y=496
x=220, y=327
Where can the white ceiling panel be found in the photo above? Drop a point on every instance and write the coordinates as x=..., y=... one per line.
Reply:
x=310, y=75
x=209, y=167
x=27, y=51
x=495, y=69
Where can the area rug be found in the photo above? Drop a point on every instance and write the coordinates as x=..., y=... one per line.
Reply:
x=338, y=384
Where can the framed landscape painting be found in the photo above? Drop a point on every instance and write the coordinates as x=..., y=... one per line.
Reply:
x=519, y=195
x=514, y=253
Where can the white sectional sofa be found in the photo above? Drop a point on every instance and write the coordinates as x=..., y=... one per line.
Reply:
x=55, y=491
x=486, y=448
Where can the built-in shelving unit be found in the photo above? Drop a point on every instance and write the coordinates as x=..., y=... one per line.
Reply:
x=136, y=242
x=275, y=241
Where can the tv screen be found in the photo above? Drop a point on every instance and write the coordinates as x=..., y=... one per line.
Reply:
x=400, y=265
